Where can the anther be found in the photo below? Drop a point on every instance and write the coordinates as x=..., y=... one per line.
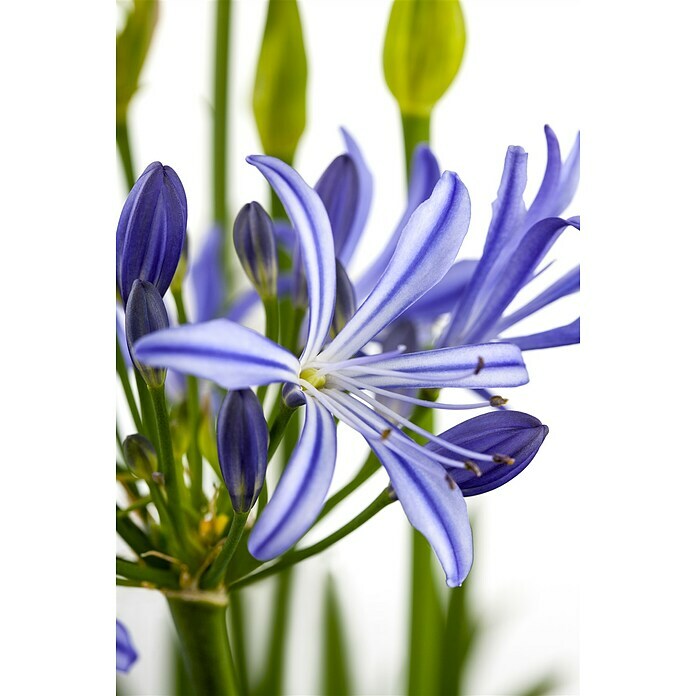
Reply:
x=473, y=466
x=479, y=365
x=385, y=433
x=503, y=459
x=498, y=401
x=157, y=477
x=450, y=482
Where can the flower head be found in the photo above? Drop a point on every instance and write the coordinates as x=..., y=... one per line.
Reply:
x=336, y=379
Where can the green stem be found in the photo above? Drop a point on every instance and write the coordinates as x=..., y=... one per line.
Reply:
x=368, y=469
x=239, y=635
x=139, y=571
x=167, y=464
x=416, y=129
x=223, y=22
x=272, y=309
x=216, y=571
x=280, y=422
x=124, y=150
x=201, y=626
x=149, y=426
x=385, y=498
x=122, y=371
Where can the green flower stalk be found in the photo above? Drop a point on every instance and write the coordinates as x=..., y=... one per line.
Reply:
x=423, y=50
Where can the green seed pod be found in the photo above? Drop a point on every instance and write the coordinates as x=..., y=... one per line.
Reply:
x=140, y=456
x=423, y=50
x=280, y=90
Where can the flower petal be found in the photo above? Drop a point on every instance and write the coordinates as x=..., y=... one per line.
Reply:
x=560, y=336
x=435, y=508
x=426, y=250
x=299, y=496
x=425, y=173
x=518, y=267
x=567, y=285
x=126, y=654
x=504, y=230
x=364, y=199
x=545, y=204
x=226, y=353
x=207, y=278
x=497, y=364
x=311, y=223
x=442, y=297
x=511, y=433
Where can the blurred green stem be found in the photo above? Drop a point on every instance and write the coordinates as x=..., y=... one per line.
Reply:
x=216, y=571
x=416, y=129
x=122, y=371
x=201, y=625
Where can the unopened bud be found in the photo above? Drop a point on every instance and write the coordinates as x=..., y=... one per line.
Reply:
x=242, y=436
x=145, y=313
x=255, y=243
x=423, y=50
x=140, y=456
x=151, y=230
x=345, y=299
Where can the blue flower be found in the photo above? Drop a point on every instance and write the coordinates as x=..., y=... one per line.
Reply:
x=331, y=381
x=151, y=230
x=126, y=654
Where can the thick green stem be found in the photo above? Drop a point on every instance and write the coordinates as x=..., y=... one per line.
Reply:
x=165, y=451
x=217, y=570
x=239, y=636
x=146, y=408
x=124, y=150
x=416, y=129
x=202, y=629
x=385, y=498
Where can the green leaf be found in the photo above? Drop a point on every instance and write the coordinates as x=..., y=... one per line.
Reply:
x=423, y=50
x=545, y=685
x=132, y=46
x=336, y=671
x=280, y=89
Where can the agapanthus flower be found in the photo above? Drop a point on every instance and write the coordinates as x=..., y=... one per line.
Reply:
x=126, y=654
x=337, y=379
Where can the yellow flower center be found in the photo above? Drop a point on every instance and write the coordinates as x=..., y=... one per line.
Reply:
x=309, y=374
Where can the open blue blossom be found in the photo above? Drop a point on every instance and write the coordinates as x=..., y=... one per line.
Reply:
x=126, y=654
x=333, y=382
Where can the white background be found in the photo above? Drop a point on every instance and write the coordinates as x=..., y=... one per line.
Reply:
x=605, y=508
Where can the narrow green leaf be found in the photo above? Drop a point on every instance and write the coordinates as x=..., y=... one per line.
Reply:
x=280, y=89
x=545, y=685
x=274, y=669
x=132, y=46
x=336, y=671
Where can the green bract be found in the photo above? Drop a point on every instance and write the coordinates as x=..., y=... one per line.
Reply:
x=280, y=89
x=423, y=50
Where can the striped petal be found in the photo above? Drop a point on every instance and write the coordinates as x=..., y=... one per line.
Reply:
x=311, y=223
x=567, y=285
x=299, y=496
x=226, y=353
x=434, y=507
x=520, y=265
x=560, y=336
x=425, y=173
x=363, y=202
x=426, y=250
x=473, y=367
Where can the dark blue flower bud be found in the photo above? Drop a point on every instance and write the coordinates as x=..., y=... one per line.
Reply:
x=338, y=189
x=255, y=243
x=345, y=299
x=145, y=313
x=242, y=439
x=126, y=654
x=513, y=438
x=293, y=396
x=151, y=230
